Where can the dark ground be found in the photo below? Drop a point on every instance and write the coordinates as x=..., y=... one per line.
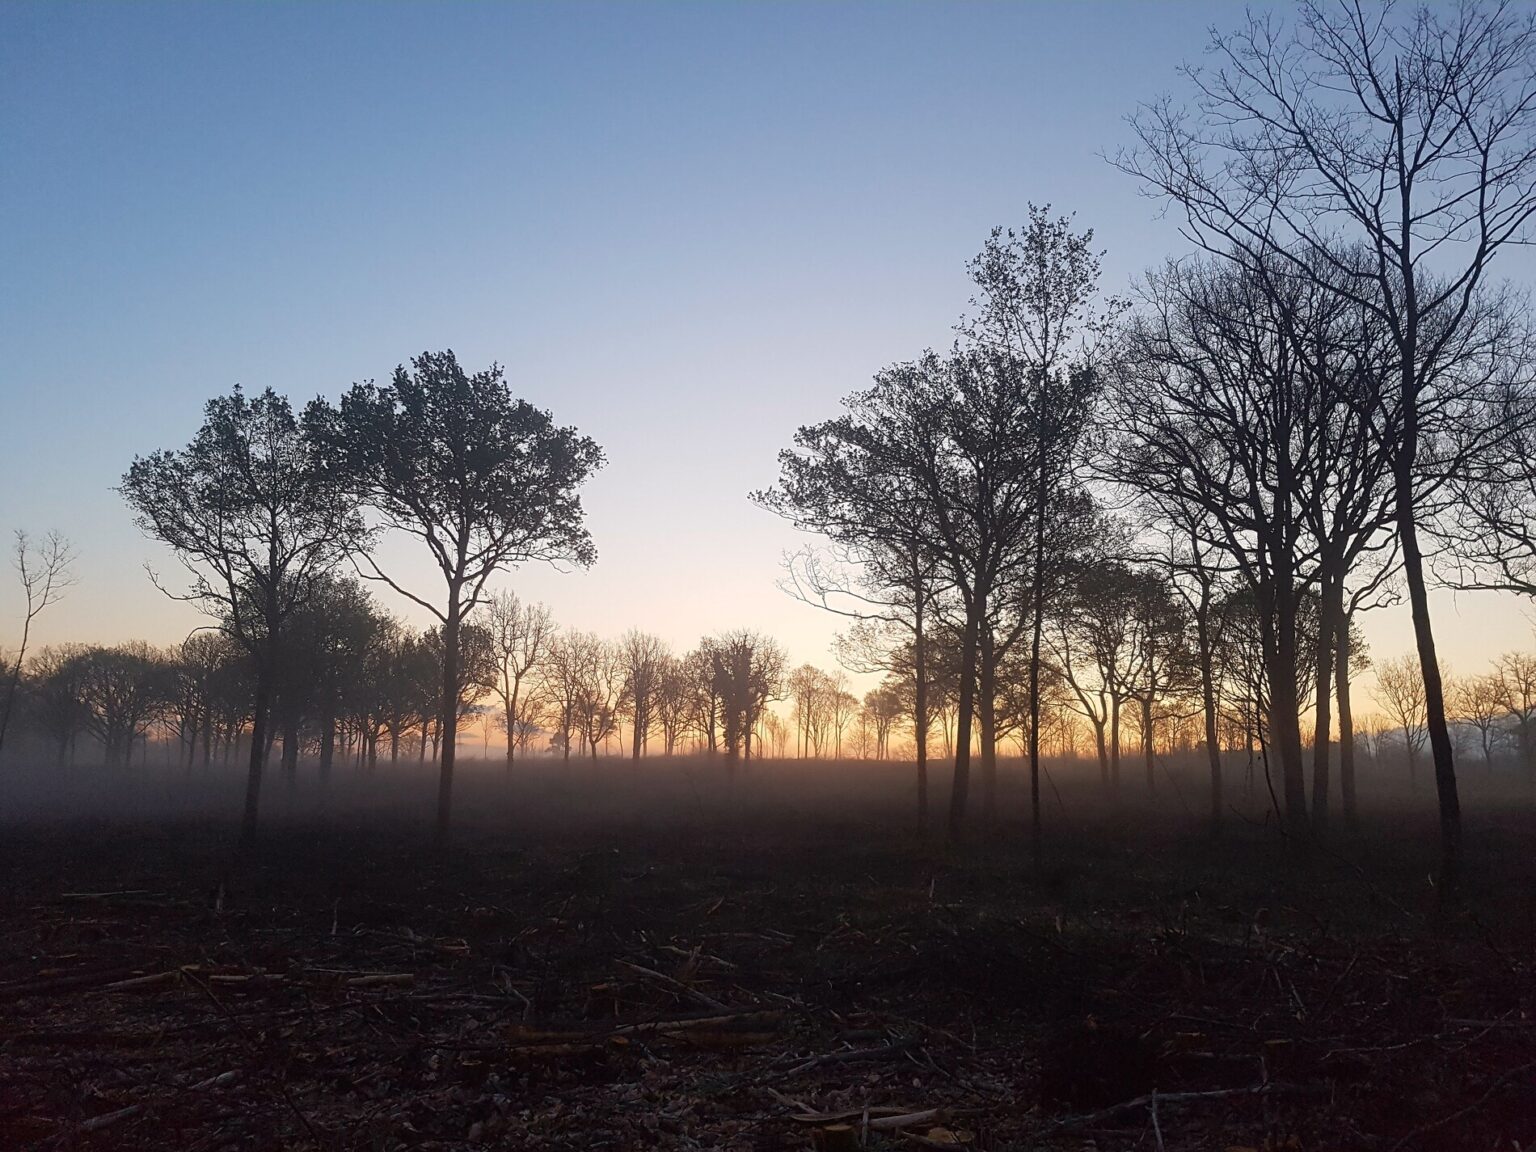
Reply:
x=752, y=976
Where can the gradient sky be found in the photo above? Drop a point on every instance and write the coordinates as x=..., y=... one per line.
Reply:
x=684, y=228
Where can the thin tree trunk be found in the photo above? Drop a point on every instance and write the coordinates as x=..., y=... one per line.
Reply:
x=1114, y=744
x=986, y=658
x=920, y=719
x=448, y=716
x=1429, y=663
x=1208, y=698
x=1146, y=744
x=1327, y=631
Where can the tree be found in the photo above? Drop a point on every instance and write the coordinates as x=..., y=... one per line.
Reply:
x=46, y=573
x=1400, y=690
x=854, y=480
x=1516, y=679
x=1409, y=136
x=1478, y=701
x=520, y=636
x=53, y=680
x=1161, y=660
x=747, y=672
x=198, y=665
x=483, y=480
x=674, y=702
x=885, y=709
x=1035, y=304
x=1211, y=419
x=599, y=683
x=643, y=658
x=249, y=511
x=124, y=690
x=1093, y=647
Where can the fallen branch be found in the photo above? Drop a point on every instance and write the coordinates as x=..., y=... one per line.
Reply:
x=1167, y=1098
x=853, y=1055
x=675, y=985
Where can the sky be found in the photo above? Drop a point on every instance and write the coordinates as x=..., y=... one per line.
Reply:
x=685, y=229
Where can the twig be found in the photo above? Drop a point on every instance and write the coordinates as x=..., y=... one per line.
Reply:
x=1270, y=1089
x=676, y=986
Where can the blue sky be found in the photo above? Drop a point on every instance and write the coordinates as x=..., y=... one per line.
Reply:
x=685, y=228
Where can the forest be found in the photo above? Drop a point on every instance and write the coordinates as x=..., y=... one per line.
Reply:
x=1101, y=822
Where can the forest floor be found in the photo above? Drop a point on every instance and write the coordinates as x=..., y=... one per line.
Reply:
x=810, y=984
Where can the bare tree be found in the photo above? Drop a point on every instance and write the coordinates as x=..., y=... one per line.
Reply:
x=1211, y=416
x=1478, y=701
x=1400, y=691
x=520, y=636
x=643, y=658
x=1516, y=679
x=124, y=690
x=46, y=573
x=1409, y=134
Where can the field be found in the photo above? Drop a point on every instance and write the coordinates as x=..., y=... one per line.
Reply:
x=615, y=956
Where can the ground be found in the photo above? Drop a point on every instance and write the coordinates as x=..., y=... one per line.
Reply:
x=764, y=979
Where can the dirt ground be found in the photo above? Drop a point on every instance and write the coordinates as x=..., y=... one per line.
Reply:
x=763, y=980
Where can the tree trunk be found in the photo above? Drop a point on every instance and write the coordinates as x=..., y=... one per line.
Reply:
x=1037, y=627
x=920, y=717
x=511, y=725
x=259, y=722
x=1327, y=633
x=448, y=714
x=1114, y=744
x=290, y=741
x=327, y=738
x=1146, y=744
x=1208, y=698
x=1277, y=626
x=1434, y=690
x=986, y=666
x=960, y=786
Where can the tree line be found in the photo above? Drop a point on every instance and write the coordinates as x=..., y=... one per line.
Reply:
x=1327, y=405
x=1142, y=513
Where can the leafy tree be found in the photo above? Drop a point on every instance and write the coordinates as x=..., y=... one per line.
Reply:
x=258, y=523
x=483, y=480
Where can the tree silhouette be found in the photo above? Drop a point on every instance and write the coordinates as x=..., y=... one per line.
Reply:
x=1407, y=132
x=258, y=523
x=483, y=480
